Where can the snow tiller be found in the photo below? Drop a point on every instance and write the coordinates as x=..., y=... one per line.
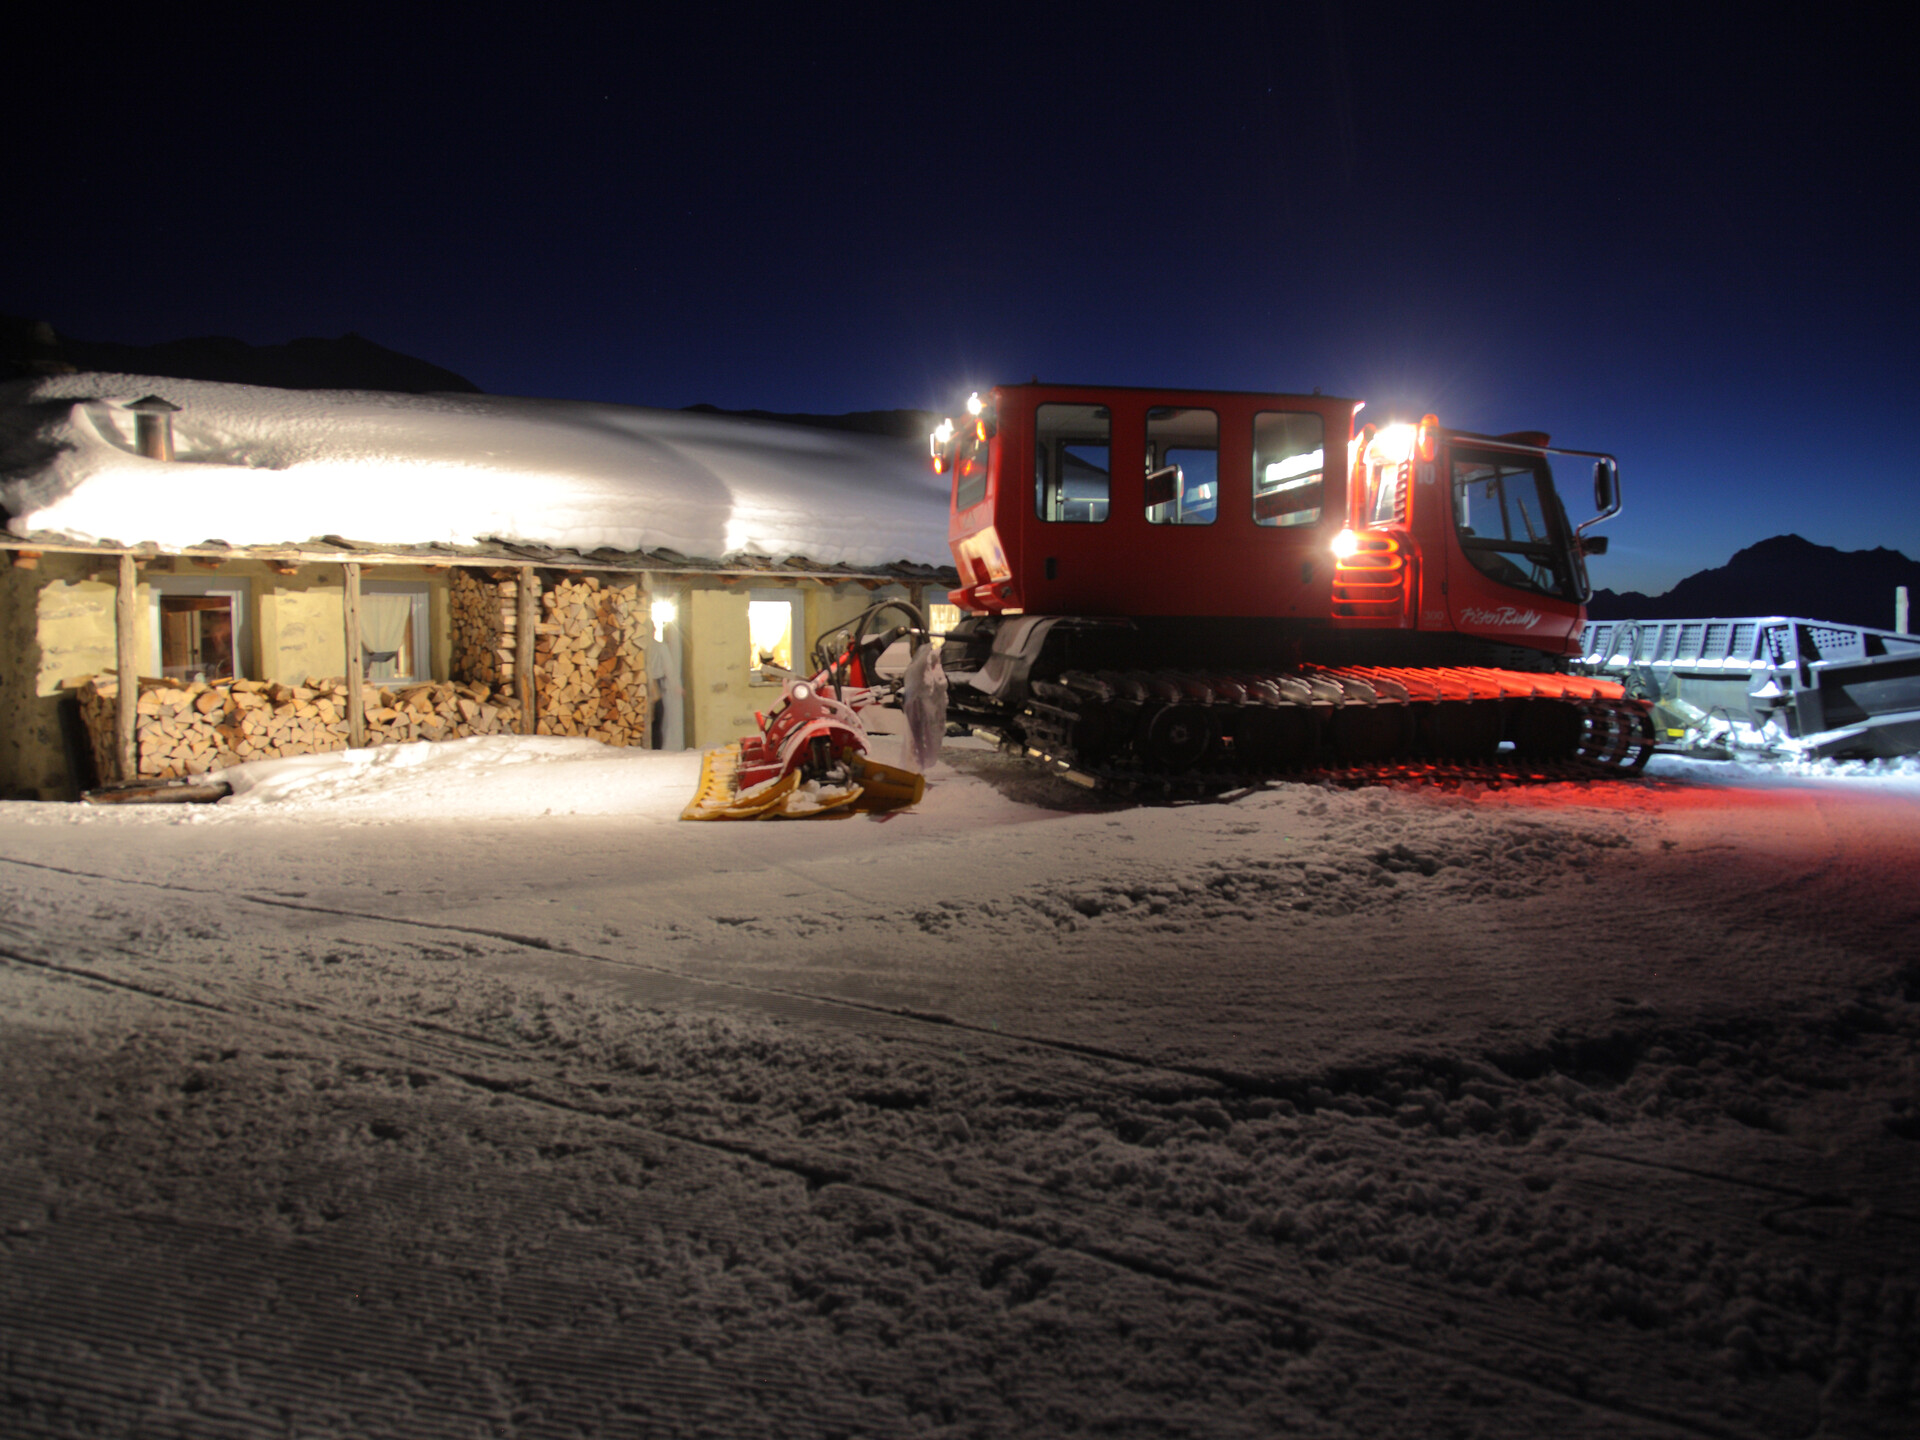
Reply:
x=810, y=756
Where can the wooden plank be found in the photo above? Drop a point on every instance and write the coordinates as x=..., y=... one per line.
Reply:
x=526, y=621
x=356, y=666
x=126, y=663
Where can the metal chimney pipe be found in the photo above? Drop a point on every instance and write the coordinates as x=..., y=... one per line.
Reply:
x=1900, y=609
x=153, y=427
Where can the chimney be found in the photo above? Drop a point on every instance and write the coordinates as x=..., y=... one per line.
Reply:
x=1900, y=609
x=153, y=427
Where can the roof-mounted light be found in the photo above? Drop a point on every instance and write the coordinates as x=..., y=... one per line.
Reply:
x=1427, y=443
x=940, y=445
x=1391, y=445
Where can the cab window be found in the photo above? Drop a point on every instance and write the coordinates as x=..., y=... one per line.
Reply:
x=970, y=470
x=1510, y=524
x=1183, y=453
x=1072, y=462
x=1289, y=462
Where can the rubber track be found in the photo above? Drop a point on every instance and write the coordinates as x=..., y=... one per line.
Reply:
x=1207, y=732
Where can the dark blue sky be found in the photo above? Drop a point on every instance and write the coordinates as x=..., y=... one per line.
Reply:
x=1681, y=234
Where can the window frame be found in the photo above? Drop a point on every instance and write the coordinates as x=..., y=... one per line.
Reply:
x=239, y=591
x=420, y=621
x=1501, y=558
x=797, y=603
x=1049, y=453
x=1162, y=450
x=1305, y=515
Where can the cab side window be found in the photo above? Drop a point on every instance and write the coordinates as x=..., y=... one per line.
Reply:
x=1183, y=470
x=1289, y=463
x=1072, y=462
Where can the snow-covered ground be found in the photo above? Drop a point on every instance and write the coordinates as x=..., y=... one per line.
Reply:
x=468, y=1091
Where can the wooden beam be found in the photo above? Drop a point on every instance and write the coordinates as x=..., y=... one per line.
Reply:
x=526, y=623
x=356, y=667
x=128, y=700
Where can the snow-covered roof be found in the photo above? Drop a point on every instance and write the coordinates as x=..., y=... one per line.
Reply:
x=258, y=466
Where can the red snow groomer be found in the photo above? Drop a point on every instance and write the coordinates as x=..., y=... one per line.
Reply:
x=810, y=756
x=1200, y=589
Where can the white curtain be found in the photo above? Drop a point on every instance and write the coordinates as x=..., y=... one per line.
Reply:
x=386, y=623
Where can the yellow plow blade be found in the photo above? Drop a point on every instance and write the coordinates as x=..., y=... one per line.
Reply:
x=875, y=787
x=887, y=787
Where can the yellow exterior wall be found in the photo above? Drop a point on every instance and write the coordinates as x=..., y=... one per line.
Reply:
x=720, y=701
x=301, y=627
x=57, y=625
x=831, y=606
x=56, y=622
x=721, y=697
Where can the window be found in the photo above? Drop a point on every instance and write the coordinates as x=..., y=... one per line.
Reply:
x=776, y=632
x=395, y=643
x=1183, y=454
x=1071, y=462
x=202, y=628
x=1289, y=460
x=1510, y=523
x=941, y=618
x=970, y=470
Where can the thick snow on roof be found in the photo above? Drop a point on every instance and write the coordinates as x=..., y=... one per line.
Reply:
x=258, y=466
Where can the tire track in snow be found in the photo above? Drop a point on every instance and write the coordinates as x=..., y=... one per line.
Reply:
x=1067, y=1225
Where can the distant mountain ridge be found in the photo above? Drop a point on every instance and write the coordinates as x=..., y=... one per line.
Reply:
x=351, y=362
x=892, y=424
x=1786, y=575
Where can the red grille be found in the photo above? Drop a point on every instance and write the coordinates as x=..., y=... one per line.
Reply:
x=1371, y=583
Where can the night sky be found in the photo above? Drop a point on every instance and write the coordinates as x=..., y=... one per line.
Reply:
x=1683, y=235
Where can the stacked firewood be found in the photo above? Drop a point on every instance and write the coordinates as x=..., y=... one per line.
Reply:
x=590, y=665
x=191, y=729
x=485, y=621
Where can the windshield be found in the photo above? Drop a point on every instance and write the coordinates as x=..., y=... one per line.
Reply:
x=1510, y=522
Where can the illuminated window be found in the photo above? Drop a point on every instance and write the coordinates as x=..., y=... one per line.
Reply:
x=776, y=627
x=394, y=643
x=1183, y=453
x=1071, y=462
x=1289, y=452
x=942, y=618
x=201, y=628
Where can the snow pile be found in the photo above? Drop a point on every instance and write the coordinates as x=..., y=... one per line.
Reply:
x=495, y=777
x=260, y=466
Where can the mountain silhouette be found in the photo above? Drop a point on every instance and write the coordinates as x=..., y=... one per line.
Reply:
x=351, y=362
x=1786, y=575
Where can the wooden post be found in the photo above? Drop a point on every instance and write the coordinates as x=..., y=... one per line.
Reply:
x=356, y=666
x=526, y=622
x=128, y=700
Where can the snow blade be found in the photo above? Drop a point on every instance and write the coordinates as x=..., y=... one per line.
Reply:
x=887, y=787
x=718, y=797
x=871, y=786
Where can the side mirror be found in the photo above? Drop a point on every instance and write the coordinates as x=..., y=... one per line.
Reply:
x=1606, y=491
x=1593, y=544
